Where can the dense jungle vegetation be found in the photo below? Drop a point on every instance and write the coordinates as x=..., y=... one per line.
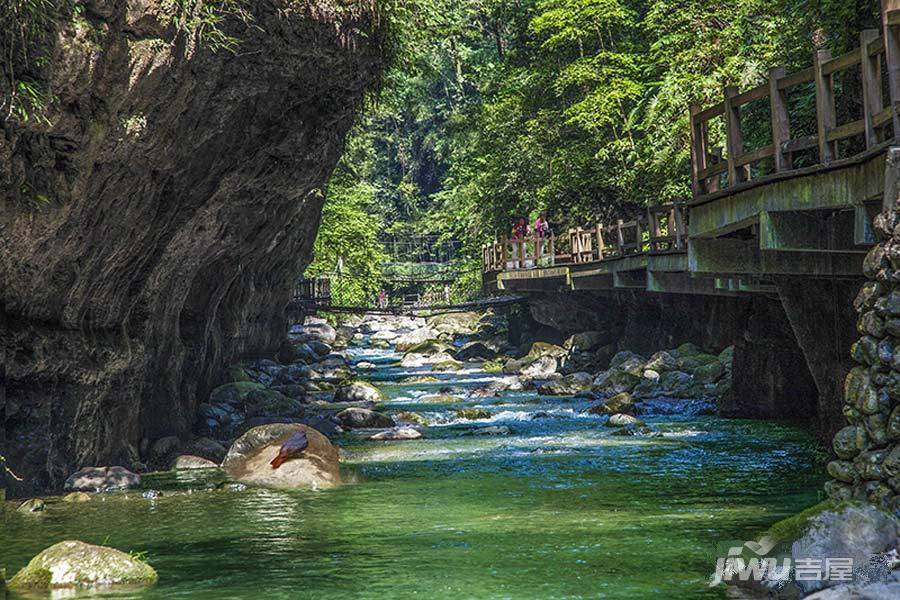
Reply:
x=495, y=108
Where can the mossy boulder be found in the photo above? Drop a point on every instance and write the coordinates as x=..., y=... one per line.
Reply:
x=74, y=564
x=685, y=350
x=628, y=362
x=620, y=403
x=358, y=391
x=449, y=364
x=269, y=403
x=473, y=414
x=412, y=417
x=661, y=362
x=363, y=418
x=32, y=505
x=236, y=373
x=77, y=497
x=492, y=366
x=623, y=420
x=694, y=362
x=474, y=351
x=420, y=379
x=585, y=341
x=613, y=382
x=709, y=373
x=429, y=347
x=234, y=393
x=102, y=479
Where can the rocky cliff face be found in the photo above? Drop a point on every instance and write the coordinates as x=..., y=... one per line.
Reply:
x=154, y=226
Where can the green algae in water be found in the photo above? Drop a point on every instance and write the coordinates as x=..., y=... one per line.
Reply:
x=558, y=508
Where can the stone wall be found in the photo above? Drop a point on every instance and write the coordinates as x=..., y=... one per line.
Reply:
x=868, y=447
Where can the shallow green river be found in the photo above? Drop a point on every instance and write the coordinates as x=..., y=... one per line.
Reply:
x=556, y=509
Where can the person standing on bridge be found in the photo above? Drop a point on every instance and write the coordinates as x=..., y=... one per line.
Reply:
x=518, y=235
x=541, y=230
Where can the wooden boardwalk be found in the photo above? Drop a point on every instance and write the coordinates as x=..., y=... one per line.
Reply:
x=800, y=205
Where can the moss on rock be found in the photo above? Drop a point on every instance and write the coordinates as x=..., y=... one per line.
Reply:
x=77, y=564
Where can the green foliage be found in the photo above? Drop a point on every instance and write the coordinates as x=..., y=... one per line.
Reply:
x=204, y=20
x=499, y=108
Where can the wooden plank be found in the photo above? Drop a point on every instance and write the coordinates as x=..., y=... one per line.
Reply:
x=844, y=61
x=883, y=117
x=698, y=153
x=825, y=114
x=751, y=157
x=876, y=47
x=714, y=169
x=805, y=76
x=870, y=75
x=781, y=125
x=711, y=112
x=757, y=93
x=798, y=144
x=846, y=130
x=734, y=140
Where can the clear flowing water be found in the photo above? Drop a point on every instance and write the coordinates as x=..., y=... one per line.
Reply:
x=558, y=508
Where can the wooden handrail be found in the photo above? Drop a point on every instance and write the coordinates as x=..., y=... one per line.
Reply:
x=872, y=126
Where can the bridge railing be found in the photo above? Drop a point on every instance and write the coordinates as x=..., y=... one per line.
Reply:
x=661, y=229
x=313, y=292
x=877, y=58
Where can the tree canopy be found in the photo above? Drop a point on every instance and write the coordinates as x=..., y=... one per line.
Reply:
x=498, y=108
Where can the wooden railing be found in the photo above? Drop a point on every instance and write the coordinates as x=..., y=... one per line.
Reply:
x=313, y=292
x=714, y=169
x=660, y=230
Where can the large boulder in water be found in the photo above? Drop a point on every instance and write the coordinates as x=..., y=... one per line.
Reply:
x=409, y=340
x=74, y=564
x=358, y=391
x=249, y=458
x=363, y=418
x=102, y=479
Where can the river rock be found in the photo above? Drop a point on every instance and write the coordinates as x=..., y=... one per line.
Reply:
x=614, y=382
x=474, y=351
x=584, y=341
x=249, y=457
x=407, y=341
x=358, y=391
x=412, y=417
x=473, y=414
x=569, y=385
x=445, y=362
x=402, y=433
x=269, y=403
x=540, y=368
x=490, y=430
x=623, y=420
x=454, y=324
x=363, y=418
x=661, y=362
x=233, y=393
x=842, y=470
x=102, y=479
x=76, y=497
x=620, y=403
x=208, y=449
x=189, y=462
x=857, y=531
x=318, y=330
x=163, y=449
x=72, y=564
x=304, y=353
x=31, y=506
x=629, y=362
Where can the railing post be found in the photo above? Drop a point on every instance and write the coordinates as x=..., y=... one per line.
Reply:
x=653, y=221
x=679, y=227
x=870, y=74
x=521, y=244
x=890, y=18
x=599, y=234
x=638, y=234
x=699, y=143
x=552, y=249
x=734, y=141
x=825, y=117
x=781, y=125
x=620, y=238
x=504, y=252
